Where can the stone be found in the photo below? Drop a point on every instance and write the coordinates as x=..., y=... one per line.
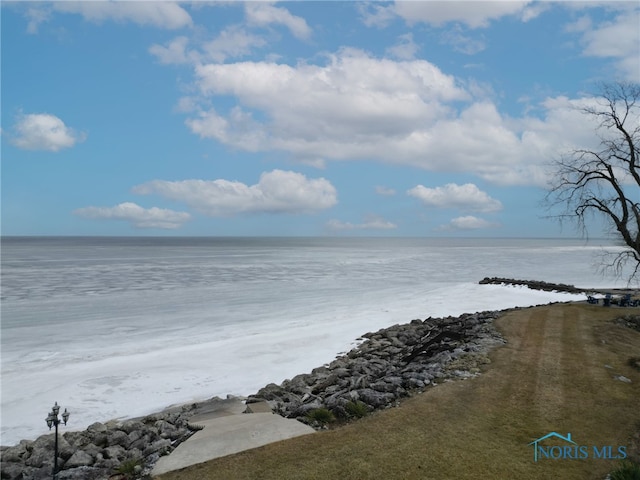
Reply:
x=97, y=428
x=379, y=371
x=115, y=451
x=119, y=438
x=79, y=459
x=162, y=445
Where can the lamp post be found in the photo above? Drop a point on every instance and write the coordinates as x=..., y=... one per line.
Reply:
x=53, y=420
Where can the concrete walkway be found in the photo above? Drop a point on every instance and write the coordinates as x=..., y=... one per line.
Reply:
x=229, y=431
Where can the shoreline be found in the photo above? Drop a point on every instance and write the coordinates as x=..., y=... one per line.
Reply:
x=160, y=433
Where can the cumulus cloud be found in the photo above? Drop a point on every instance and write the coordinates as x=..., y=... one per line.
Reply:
x=371, y=223
x=474, y=14
x=277, y=192
x=136, y=215
x=360, y=107
x=43, y=131
x=232, y=42
x=167, y=15
x=616, y=39
x=375, y=15
x=468, y=223
x=264, y=14
x=173, y=52
x=465, y=197
x=355, y=106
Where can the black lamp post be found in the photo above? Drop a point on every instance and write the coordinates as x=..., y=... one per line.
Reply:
x=53, y=420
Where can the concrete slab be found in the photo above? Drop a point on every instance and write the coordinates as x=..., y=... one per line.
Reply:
x=230, y=434
x=258, y=407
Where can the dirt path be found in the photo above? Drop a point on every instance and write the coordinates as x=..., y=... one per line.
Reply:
x=556, y=373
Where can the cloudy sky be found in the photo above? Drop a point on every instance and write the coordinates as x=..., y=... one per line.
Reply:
x=298, y=118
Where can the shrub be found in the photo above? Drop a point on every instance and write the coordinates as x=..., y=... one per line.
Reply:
x=626, y=471
x=130, y=468
x=356, y=409
x=321, y=415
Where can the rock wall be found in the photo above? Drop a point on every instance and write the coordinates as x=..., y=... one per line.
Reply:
x=387, y=366
x=100, y=450
x=533, y=284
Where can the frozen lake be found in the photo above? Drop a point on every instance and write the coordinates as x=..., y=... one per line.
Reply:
x=118, y=327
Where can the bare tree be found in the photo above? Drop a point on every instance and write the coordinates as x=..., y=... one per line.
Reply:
x=605, y=182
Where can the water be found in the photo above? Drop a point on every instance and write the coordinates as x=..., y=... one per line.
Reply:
x=119, y=327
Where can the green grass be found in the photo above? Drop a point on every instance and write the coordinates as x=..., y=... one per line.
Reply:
x=321, y=416
x=556, y=373
x=626, y=471
x=356, y=409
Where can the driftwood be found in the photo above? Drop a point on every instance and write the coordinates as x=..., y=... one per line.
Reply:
x=432, y=346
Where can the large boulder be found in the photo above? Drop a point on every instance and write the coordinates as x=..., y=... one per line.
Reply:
x=80, y=459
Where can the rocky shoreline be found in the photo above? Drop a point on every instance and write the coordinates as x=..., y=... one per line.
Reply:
x=390, y=364
x=386, y=366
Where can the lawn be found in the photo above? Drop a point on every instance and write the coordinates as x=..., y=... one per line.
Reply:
x=557, y=372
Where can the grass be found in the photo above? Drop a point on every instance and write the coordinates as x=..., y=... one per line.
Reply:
x=556, y=373
x=321, y=416
x=356, y=409
x=626, y=471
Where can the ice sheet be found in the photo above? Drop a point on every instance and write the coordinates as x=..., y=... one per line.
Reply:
x=124, y=329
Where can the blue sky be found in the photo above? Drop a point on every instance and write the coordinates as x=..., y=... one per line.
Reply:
x=298, y=118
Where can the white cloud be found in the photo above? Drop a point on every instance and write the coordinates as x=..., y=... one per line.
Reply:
x=234, y=41
x=405, y=49
x=474, y=14
x=136, y=215
x=43, y=131
x=264, y=14
x=466, y=197
x=468, y=223
x=371, y=223
x=617, y=39
x=168, y=15
x=37, y=15
x=173, y=53
x=358, y=107
x=340, y=110
x=384, y=191
x=462, y=43
x=277, y=192
x=374, y=15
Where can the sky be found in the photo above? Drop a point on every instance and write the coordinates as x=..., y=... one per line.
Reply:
x=299, y=118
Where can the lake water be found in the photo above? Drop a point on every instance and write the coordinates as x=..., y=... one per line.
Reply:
x=119, y=327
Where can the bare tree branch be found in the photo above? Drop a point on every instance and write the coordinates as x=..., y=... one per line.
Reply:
x=605, y=183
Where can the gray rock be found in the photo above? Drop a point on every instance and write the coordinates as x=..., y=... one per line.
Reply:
x=115, y=451
x=162, y=445
x=80, y=459
x=119, y=438
x=97, y=428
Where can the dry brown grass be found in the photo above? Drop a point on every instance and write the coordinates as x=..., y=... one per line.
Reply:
x=551, y=376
